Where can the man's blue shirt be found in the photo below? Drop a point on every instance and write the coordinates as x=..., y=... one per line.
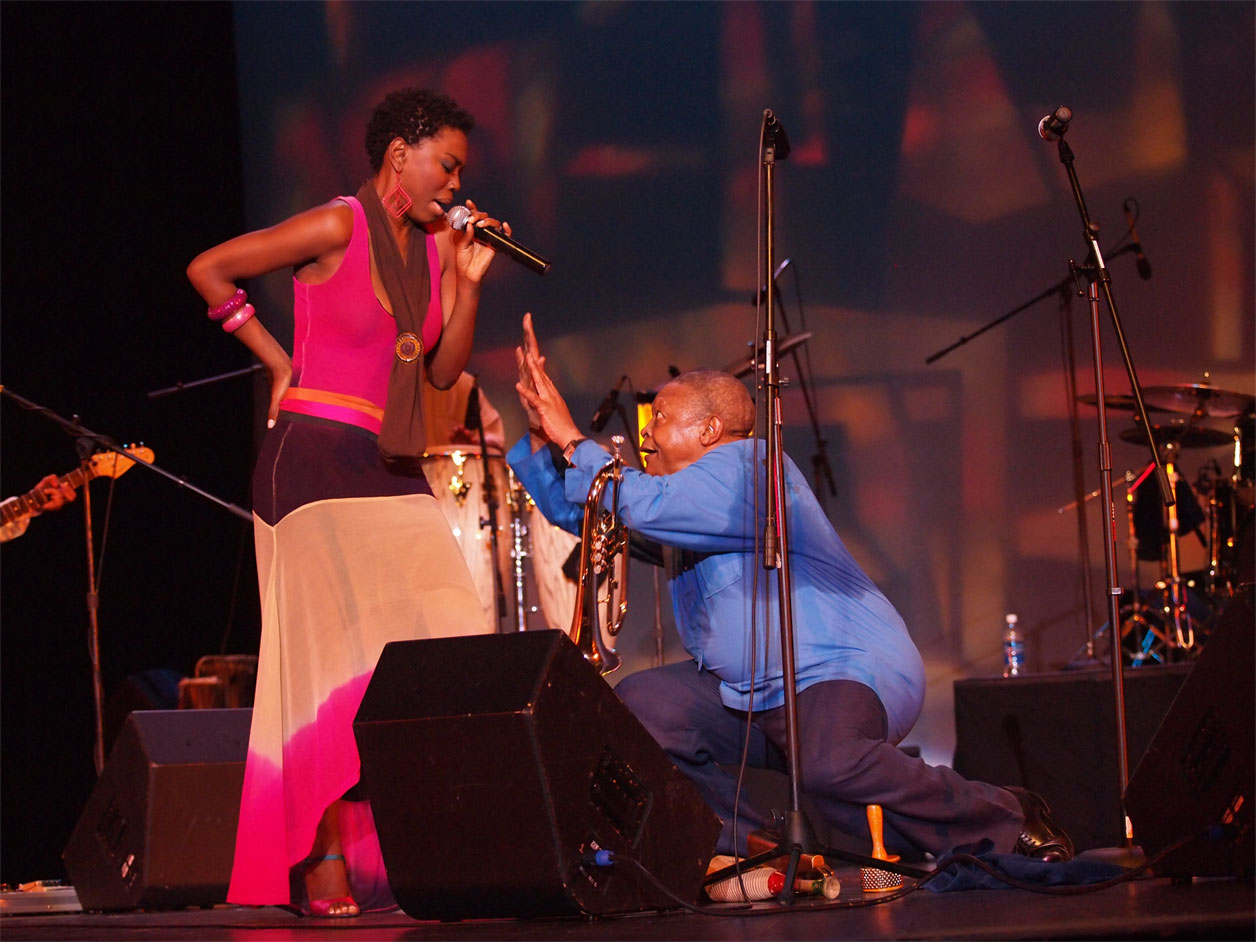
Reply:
x=844, y=627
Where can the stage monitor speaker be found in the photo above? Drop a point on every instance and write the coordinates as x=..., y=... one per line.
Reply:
x=1196, y=780
x=158, y=831
x=499, y=765
x=1055, y=734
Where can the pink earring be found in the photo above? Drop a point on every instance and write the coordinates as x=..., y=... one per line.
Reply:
x=397, y=200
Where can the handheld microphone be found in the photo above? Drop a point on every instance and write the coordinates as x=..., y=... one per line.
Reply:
x=498, y=240
x=603, y=413
x=1144, y=266
x=1053, y=126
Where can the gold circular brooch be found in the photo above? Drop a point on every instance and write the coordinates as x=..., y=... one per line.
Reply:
x=409, y=347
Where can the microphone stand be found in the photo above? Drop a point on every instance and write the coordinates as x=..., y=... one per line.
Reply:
x=1099, y=280
x=179, y=387
x=103, y=441
x=1066, y=287
x=1056, y=288
x=84, y=448
x=85, y=440
x=820, y=467
x=797, y=835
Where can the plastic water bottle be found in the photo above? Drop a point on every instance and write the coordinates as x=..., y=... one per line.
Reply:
x=1013, y=648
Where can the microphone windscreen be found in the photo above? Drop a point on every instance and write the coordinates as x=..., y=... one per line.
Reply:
x=457, y=217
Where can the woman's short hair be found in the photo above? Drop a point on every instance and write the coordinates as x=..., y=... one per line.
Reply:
x=411, y=114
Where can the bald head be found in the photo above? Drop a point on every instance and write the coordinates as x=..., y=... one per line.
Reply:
x=694, y=413
x=714, y=392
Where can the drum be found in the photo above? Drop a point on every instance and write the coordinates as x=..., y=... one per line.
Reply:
x=1150, y=517
x=554, y=570
x=1228, y=527
x=237, y=673
x=531, y=553
x=221, y=681
x=456, y=475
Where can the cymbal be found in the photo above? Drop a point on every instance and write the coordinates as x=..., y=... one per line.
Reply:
x=1199, y=399
x=1117, y=402
x=745, y=367
x=1184, y=436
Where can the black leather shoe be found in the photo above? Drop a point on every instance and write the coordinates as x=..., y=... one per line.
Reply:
x=1040, y=836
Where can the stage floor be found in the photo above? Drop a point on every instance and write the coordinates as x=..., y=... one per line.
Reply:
x=1143, y=908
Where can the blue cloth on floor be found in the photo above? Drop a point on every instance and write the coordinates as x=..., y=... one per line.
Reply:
x=964, y=875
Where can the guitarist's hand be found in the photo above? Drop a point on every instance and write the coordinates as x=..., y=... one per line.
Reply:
x=53, y=493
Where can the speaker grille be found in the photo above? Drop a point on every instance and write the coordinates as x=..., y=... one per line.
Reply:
x=158, y=831
x=1196, y=781
x=488, y=798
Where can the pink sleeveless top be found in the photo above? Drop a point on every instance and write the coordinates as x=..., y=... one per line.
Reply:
x=343, y=340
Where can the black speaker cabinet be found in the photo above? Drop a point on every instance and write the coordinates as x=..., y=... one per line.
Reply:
x=498, y=765
x=158, y=831
x=1198, y=777
x=1055, y=733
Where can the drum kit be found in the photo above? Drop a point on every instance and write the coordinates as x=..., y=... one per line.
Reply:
x=523, y=585
x=1170, y=620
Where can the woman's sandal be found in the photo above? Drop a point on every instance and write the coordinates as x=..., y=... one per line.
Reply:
x=341, y=907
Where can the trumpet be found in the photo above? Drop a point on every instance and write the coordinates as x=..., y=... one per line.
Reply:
x=603, y=550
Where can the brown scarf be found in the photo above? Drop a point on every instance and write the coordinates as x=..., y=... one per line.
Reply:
x=402, y=438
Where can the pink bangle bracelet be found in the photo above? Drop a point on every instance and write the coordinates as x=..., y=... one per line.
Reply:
x=229, y=306
x=238, y=319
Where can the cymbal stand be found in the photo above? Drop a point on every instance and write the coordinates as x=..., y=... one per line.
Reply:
x=1131, y=485
x=1079, y=482
x=1183, y=628
x=1138, y=610
x=1208, y=481
x=1136, y=618
x=1215, y=577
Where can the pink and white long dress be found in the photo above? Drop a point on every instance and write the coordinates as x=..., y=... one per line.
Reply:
x=350, y=555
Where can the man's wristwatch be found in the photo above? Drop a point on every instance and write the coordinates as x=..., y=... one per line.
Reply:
x=570, y=448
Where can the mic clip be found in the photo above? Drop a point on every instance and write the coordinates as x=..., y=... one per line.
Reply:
x=607, y=408
x=774, y=135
